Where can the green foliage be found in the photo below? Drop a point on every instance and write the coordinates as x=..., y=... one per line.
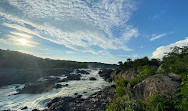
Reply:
x=121, y=82
x=121, y=104
x=158, y=103
x=144, y=72
x=174, y=62
x=120, y=87
x=129, y=64
x=181, y=99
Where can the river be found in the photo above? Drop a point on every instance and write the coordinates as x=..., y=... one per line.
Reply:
x=84, y=87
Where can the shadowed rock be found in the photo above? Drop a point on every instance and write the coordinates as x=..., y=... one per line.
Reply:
x=92, y=79
x=96, y=102
x=105, y=74
x=164, y=85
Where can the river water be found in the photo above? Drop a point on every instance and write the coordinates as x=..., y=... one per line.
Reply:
x=39, y=101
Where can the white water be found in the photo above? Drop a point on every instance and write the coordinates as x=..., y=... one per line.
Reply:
x=39, y=101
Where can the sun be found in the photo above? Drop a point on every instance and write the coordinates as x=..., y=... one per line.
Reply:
x=22, y=41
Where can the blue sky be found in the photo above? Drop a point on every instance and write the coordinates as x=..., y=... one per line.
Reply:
x=93, y=30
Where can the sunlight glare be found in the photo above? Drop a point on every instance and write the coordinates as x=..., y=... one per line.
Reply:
x=22, y=41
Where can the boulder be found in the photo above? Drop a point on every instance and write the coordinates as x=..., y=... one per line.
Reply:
x=71, y=77
x=92, y=79
x=161, y=84
x=128, y=74
x=35, y=110
x=24, y=108
x=105, y=74
x=39, y=87
x=58, y=86
x=81, y=71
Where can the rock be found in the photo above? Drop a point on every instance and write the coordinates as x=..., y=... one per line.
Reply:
x=16, y=87
x=73, y=77
x=24, y=108
x=92, y=79
x=35, y=110
x=54, y=101
x=126, y=74
x=95, y=102
x=129, y=86
x=64, y=104
x=58, y=86
x=105, y=74
x=79, y=96
x=38, y=87
x=81, y=71
x=165, y=85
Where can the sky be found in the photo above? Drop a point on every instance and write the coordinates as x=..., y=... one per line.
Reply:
x=93, y=30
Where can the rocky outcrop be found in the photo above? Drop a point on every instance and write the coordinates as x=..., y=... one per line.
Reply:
x=105, y=74
x=79, y=71
x=92, y=78
x=96, y=102
x=126, y=74
x=163, y=85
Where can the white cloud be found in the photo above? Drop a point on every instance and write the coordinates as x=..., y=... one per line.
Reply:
x=70, y=52
x=134, y=56
x=154, y=36
x=160, y=51
x=77, y=24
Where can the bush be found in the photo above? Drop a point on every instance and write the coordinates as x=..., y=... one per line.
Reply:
x=121, y=104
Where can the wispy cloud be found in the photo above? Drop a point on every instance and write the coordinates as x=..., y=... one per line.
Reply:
x=134, y=56
x=154, y=36
x=21, y=34
x=70, y=52
x=77, y=24
x=160, y=51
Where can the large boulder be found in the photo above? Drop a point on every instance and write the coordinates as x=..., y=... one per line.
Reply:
x=39, y=86
x=128, y=74
x=163, y=85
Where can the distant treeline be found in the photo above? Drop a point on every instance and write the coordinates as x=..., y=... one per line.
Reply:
x=19, y=68
x=15, y=59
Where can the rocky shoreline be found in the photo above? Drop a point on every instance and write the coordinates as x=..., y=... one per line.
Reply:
x=95, y=102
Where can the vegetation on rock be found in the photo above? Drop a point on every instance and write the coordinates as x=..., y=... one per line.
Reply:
x=174, y=66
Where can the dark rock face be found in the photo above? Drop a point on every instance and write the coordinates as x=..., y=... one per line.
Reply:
x=60, y=86
x=81, y=71
x=24, y=108
x=126, y=74
x=35, y=110
x=39, y=86
x=36, y=88
x=105, y=74
x=95, y=102
x=71, y=77
x=92, y=79
x=165, y=85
